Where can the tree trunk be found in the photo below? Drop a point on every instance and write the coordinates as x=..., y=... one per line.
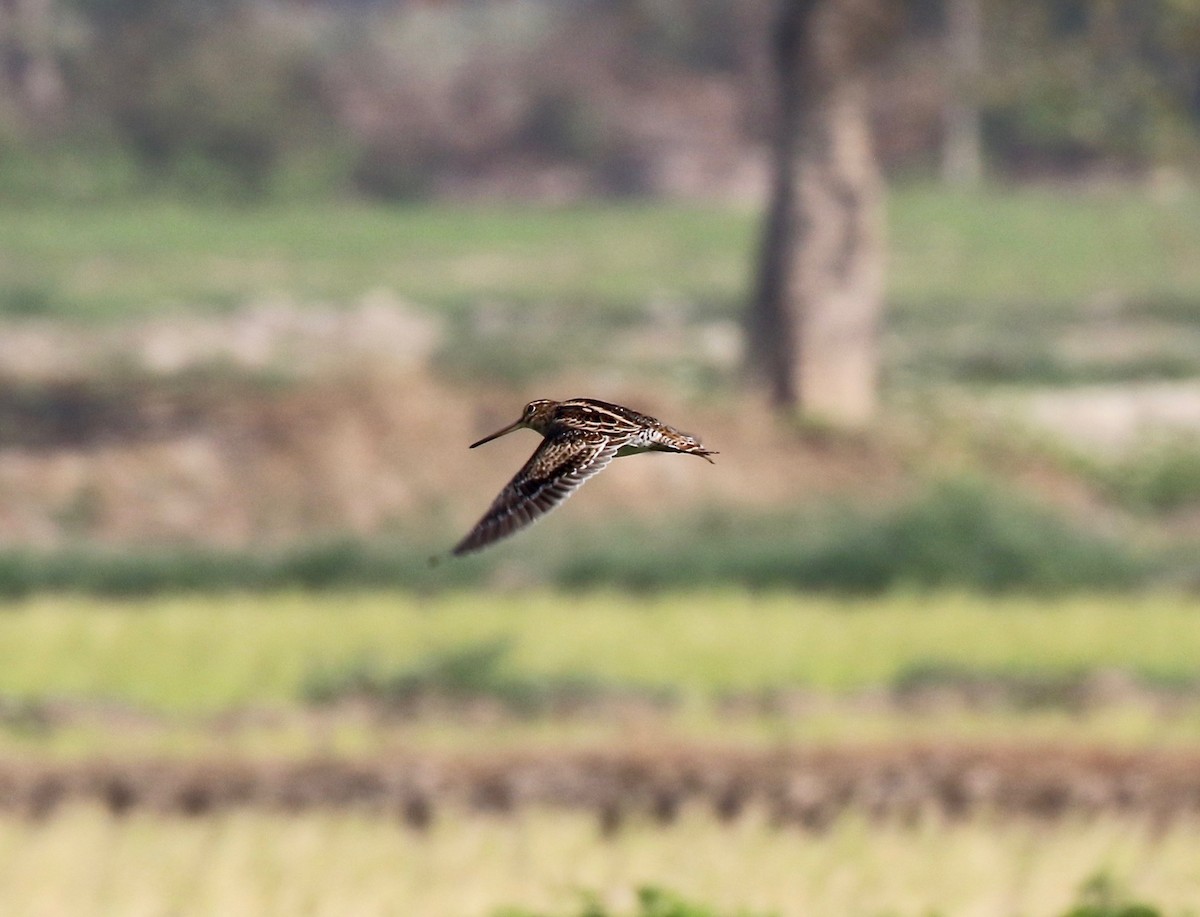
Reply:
x=962, y=144
x=30, y=72
x=813, y=323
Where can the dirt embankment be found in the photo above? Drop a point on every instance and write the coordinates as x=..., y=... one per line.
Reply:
x=283, y=425
x=278, y=424
x=233, y=464
x=806, y=788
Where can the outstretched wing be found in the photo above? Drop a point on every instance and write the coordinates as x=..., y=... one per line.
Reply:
x=561, y=463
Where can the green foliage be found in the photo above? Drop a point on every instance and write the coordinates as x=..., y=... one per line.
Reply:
x=974, y=534
x=964, y=533
x=1101, y=896
x=651, y=902
x=958, y=534
x=1159, y=477
x=26, y=301
x=327, y=565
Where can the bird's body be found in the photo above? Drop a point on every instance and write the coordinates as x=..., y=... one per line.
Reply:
x=581, y=436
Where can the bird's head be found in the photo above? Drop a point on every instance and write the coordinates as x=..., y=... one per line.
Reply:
x=537, y=415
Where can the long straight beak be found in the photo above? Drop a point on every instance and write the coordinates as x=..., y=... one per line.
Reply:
x=487, y=439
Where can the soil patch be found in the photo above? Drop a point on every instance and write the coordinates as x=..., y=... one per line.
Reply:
x=804, y=787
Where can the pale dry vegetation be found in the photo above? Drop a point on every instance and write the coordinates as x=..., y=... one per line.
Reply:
x=84, y=862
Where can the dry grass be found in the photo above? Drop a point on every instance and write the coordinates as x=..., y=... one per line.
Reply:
x=85, y=862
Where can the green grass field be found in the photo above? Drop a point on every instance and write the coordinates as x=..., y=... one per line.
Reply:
x=195, y=654
x=181, y=661
x=987, y=253
x=83, y=862
x=113, y=261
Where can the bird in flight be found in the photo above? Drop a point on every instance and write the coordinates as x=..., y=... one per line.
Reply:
x=581, y=437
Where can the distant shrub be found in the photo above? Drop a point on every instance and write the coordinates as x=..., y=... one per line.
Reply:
x=391, y=168
x=1101, y=896
x=1022, y=361
x=26, y=300
x=652, y=902
x=1161, y=477
x=1041, y=359
x=467, y=673
x=210, y=98
x=959, y=534
x=1034, y=689
x=972, y=534
x=334, y=564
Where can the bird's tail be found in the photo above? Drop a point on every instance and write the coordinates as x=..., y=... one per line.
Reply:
x=674, y=441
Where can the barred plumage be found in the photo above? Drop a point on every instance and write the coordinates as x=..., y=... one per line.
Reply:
x=581, y=436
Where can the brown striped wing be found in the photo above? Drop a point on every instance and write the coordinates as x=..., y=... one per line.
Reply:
x=561, y=463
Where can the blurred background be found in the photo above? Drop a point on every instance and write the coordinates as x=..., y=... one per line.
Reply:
x=927, y=275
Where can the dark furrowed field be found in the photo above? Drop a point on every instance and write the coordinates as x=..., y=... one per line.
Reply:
x=803, y=708
x=806, y=788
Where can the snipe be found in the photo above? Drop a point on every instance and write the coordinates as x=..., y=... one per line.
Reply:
x=581, y=437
